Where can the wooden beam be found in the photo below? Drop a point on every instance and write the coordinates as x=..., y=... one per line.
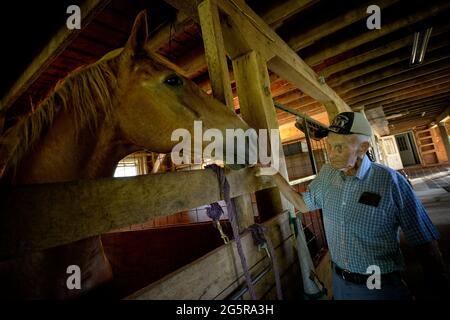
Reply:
x=401, y=71
x=411, y=96
x=51, y=51
x=410, y=106
x=300, y=41
x=402, y=85
x=253, y=33
x=218, y=274
x=257, y=110
x=367, y=36
x=358, y=72
x=409, y=89
x=378, y=52
x=283, y=11
x=37, y=217
x=444, y=114
x=414, y=100
x=215, y=52
x=415, y=116
x=221, y=89
x=417, y=108
x=422, y=98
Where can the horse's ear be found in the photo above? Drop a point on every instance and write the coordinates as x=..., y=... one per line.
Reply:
x=139, y=33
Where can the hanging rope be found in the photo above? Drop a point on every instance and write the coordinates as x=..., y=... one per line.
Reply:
x=263, y=242
x=225, y=190
x=215, y=212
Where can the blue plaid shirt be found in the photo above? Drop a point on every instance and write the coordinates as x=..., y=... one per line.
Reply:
x=358, y=234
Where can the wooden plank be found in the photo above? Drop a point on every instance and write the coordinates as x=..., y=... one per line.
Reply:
x=217, y=274
x=37, y=217
x=440, y=97
x=51, y=51
x=281, y=59
x=443, y=116
x=392, y=75
x=221, y=89
x=411, y=96
x=410, y=107
x=393, y=94
x=256, y=105
x=365, y=37
x=358, y=72
x=283, y=11
x=300, y=41
x=215, y=52
x=402, y=85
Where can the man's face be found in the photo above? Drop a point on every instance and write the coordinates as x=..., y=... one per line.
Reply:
x=343, y=151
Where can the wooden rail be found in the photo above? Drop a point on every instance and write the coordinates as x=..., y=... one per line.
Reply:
x=37, y=217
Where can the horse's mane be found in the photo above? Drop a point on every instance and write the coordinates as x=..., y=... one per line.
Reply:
x=84, y=93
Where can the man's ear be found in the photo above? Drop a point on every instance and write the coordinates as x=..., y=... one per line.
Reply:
x=363, y=147
x=139, y=34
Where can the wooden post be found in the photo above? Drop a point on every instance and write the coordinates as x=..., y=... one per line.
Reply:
x=220, y=84
x=257, y=109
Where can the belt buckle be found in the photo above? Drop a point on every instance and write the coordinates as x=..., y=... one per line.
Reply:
x=344, y=271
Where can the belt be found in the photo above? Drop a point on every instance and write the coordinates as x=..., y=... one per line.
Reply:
x=359, y=278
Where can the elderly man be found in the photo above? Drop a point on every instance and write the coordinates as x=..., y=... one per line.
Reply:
x=363, y=205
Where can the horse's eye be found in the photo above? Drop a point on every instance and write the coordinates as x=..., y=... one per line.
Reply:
x=173, y=80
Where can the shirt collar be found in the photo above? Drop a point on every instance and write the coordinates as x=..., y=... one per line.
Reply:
x=364, y=167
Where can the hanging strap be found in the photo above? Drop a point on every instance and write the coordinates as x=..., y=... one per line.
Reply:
x=214, y=211
x=263, y=242
x=225, y=188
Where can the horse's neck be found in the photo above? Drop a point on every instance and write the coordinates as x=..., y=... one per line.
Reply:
x=62, y=156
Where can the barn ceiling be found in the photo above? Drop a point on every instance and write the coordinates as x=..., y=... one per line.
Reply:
x=369, y=69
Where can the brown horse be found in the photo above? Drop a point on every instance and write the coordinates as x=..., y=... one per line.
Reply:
x=129, y=100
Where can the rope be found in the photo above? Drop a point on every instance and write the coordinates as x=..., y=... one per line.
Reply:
x=215, y=212
x=263, y=242
x=225, y=190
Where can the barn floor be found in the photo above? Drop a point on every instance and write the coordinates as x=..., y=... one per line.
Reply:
x=432, y=186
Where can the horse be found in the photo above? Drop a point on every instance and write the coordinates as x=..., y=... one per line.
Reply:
x=129, y=100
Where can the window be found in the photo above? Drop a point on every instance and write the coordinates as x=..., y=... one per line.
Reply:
x=132, y=165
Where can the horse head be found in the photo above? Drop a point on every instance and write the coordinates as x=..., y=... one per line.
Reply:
x=154, y=100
